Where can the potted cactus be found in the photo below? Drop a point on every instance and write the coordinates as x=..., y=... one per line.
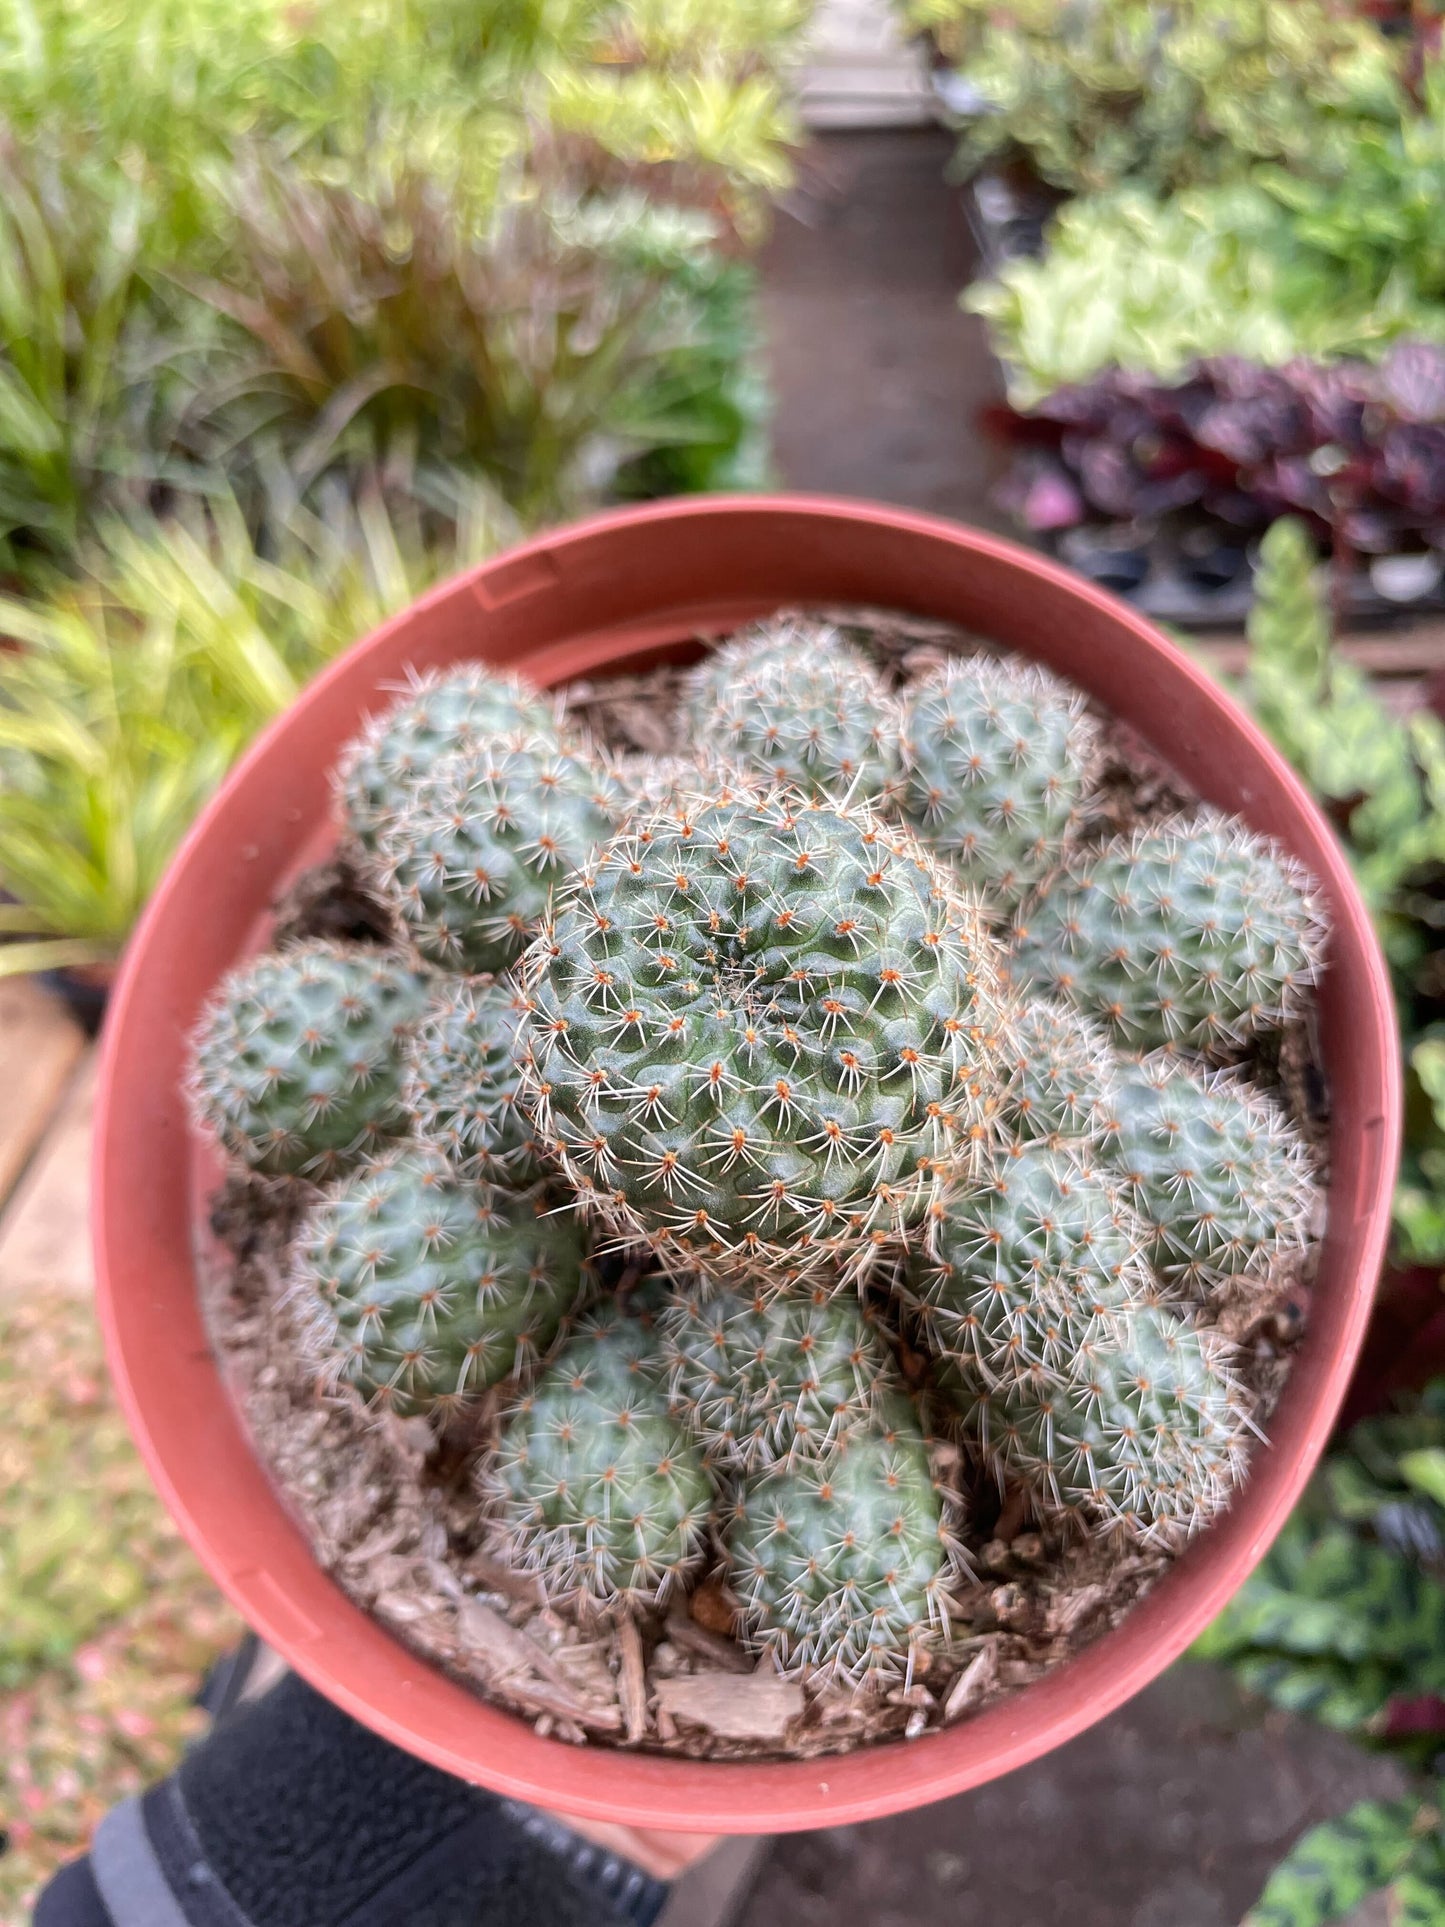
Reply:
x=798, y=1199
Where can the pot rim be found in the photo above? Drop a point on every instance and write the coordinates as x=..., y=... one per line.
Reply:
x=192, y=1441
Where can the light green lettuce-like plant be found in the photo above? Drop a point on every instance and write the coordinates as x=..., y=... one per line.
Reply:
x=1099, y=92
x=1376, y=221
x=131, y=692
x=1133, y=282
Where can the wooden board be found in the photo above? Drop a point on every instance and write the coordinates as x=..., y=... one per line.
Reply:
x=40, y=1044
x=45, y=1229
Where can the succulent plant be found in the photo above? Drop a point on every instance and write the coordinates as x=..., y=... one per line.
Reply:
x=1043, y=1319
x=759, y=1029
x=460, y=1082
x=997, y=757
x=597, y=1487
x=842, y=1564
x=1215, y=1170
x=642, y=785
x=471, y=856
x=1196, y=932
x=1029, y=1268
x=774, y=1375
x=1064, y=1075
x=295, y=1062
x=433, y=715
x=767, y=1028
x=420, y=1289
x=1145, y=1435
x=792, y=698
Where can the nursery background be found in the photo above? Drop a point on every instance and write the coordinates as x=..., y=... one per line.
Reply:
x=302, y=308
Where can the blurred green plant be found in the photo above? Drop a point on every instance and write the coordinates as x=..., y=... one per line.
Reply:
x=1094, y=93
x=695, y=84
x=90, y=368
x=1394, y=1849
x=422, y=234
x=1131, y=281
x=373, y=323
x=1344, y=1620
x=1379, y=220
x=1383, y=777
x=126, y=695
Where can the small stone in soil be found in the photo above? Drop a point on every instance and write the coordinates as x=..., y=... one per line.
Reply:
x=713, y=1609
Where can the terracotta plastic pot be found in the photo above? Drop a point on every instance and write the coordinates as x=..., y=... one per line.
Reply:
x=617, y=593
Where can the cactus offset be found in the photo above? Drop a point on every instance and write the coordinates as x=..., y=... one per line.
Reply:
x=842, y=1564
x=997, y=757
x=461, y=1082
x=1196, y=933
x=1146, y=1435
x=795, y=700
x=1029, y=1269
x=420, y=1289
x=774, y=1376
x=596, y=1487
x=433, y=715
x=1064, y=1075
x=471, y=856
x=758, y=1028
x=1215, y=1170
x=295, y=1063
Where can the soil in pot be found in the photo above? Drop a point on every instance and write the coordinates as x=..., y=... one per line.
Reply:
x=390, y=1506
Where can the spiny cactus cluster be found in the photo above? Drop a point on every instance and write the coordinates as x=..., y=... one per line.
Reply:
x=1218, y=1177
x=597, y=1486
x=795, y=701
x=420, y=1290
x=1073, y=1378
x=471, y=859
x=997, y=757
x=843, y=1565
x=433, y=716
x=758, y=1030
x=772, y=1377
x=461, y=1082
x=1194, y=933
x=294, y=1066
x=854, y=993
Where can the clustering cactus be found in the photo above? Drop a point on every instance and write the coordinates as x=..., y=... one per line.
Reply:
x=461, y=1082
x=420, y=1289
x=596, y=1487
x=1215, y=1170
x=1147, y=1435
x=1040, y=1305
x=433, y=715
x=843, y=1564
x=294, y=1066
x=844, y=995
x=774, y=1376
x=1193, y=933
x=794, y=700
x=1029, y=1267
x=997, y=757
x=473, y=854
x=1064, y=1075
x=760, y=1030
